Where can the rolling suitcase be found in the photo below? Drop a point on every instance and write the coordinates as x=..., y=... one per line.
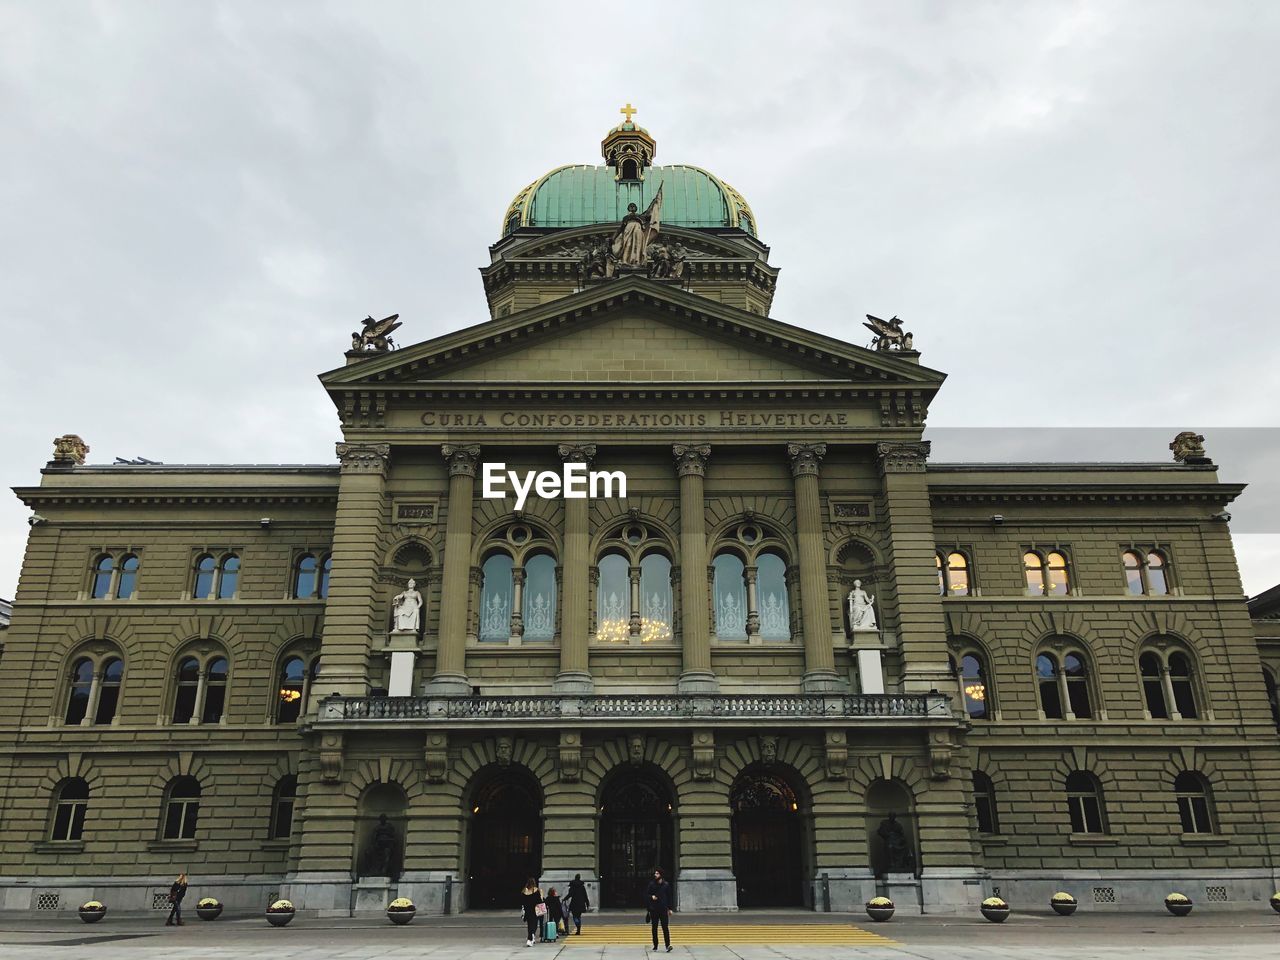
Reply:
x=551, y=931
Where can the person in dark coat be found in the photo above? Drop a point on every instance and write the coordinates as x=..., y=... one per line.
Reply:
x=658, y=896
x=577, y=901
x=555, y=910
x=176, y=892
x=530, y=897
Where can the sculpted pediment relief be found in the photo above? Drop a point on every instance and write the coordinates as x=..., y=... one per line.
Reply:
x=574, y=246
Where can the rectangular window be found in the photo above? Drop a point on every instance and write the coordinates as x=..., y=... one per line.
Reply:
x=283, y=826
x=1194, y=811
x=986, y=813
x=1086, y=815
x=1050, y=701
x=68, y=820
x=180, y=819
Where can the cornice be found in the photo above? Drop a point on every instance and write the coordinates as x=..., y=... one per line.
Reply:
x=31, y=496
x=1087, y=493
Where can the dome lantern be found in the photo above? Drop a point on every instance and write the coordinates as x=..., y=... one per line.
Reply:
x=628, y=148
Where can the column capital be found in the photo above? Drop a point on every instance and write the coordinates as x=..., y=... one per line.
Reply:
x=805, y=458
x=462, y=459
x=691, y=458
x=364, y=457
x=903, y=457
x=577, y=452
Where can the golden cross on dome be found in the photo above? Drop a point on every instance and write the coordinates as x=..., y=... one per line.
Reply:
x=628, y=110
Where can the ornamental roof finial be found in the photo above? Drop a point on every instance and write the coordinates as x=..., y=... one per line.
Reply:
x=628, y=110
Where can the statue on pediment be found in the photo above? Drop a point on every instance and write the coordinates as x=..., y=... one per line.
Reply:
x=598, y=261
x=889, y=334
x=666, y=261
x=375, y=335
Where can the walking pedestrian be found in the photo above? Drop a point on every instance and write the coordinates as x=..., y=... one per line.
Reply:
x=577, y=901
x=530, y=901
x=176, y=892
x=658, y=897
x=555, y=910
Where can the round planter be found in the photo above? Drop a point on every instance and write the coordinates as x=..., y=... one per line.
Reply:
x=1275, y=902
x=1063, y=905
x=995, y=912
x=280, y=918
x=209, y=912
x=880, y=914
x=1179, y=908
x=401, y=916
x=90, y=915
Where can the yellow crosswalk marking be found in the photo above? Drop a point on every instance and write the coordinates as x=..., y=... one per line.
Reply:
x=729, y=933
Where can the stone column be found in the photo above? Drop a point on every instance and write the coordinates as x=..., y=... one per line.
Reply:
x=451, y=656
x=815, y=602
x=575, y=592
x=691, y=467
x=910, y=554
x=351, y=611
x=753, y=604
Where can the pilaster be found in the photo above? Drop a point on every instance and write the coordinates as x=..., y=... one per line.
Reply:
x=575, y=670
x=350, y=612
x=451, y=659
x=815, y=604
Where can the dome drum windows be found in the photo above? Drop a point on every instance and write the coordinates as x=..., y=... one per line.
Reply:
x=216, y=577
x=634, y=599
x=1146, y=572
x=114, y=578
x=1062, y=679
x=94, y=683
x=1168, y=683
x=1047, y=573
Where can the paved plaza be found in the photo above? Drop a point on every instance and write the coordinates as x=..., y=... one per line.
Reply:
x=1222, y=936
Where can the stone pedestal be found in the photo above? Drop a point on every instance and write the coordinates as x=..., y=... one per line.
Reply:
x=712, y=891
x=904, y=890
x=843, y=889
x=870, y=670
x=370, y=895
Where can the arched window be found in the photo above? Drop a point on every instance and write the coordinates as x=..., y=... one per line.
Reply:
x=103, y=571
x=655, y=598
x=294, y=687
x=181, y=809
x=326, y=571
x=282, y=803
x=188, y=681
x=953, y=574
x=1047, y=574
x=971, y=675
x=127, y=581
x=1157, y=574
x=215, y=690
x=216, y=578
x=1168, y=684
x=1194, y=806
x=1084, y=803
x=630, y=171
x=1273, y=695
x=984, y=802
x=730, y=588
x=1063, y=682
x=109, y=690
x=1145, y=572
x=70, y=804
x=81, y=691
x=495, y=599
x=771, y=597
x=613, y=606
x=1133, y=572
x=304, y=576
x=205, y=574
x=228, y=576
x=538, y=602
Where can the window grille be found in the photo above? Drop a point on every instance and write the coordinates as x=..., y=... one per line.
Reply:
x=47, y=901
x=1104, y=894
x=1215, y=894
x=160, y=900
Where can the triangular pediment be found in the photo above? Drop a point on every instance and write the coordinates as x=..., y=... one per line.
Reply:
x=634, y=330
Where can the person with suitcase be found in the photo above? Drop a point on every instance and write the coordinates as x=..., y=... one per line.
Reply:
x=555, y=914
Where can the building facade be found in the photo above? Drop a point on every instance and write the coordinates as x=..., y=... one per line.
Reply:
x=797, y=663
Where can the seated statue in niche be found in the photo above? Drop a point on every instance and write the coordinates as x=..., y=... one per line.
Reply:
x=861, y=606
x=406, y=609
x=898, y=857
x=382, y=855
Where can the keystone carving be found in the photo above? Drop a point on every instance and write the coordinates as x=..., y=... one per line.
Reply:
x=331, y=757
x=503, y=751
x=940, y=750
x=436, y=756
x=635, y=749
x=837, y=750
x=769, y=750
x=570, y=757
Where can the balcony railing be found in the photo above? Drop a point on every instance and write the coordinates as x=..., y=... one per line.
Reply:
x=624, y=707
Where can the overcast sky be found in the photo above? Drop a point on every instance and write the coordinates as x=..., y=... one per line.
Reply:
x=1073, y=205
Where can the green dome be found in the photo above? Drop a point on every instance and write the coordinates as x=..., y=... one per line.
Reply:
x=579, y=195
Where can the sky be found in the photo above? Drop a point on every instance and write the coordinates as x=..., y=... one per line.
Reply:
x=1073, y=206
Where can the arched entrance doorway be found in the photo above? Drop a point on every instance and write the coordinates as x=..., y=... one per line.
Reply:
x=768, y=840
x=637, y=833
x=505, y=843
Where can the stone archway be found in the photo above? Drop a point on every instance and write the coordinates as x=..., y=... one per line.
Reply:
x=770, y=841
x=637, y=834
x=504, y=844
